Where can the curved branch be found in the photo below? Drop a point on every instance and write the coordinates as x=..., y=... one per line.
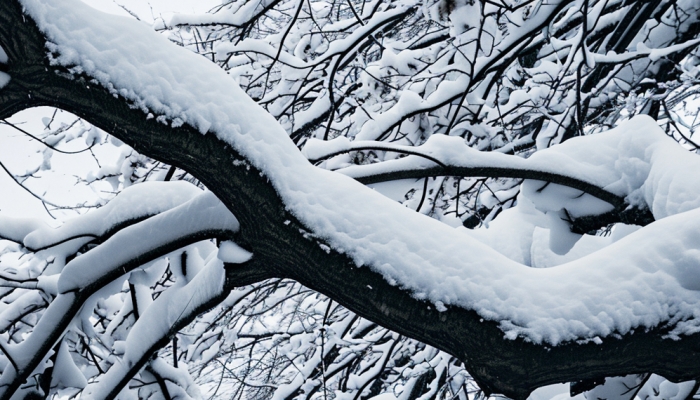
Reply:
x=5, y=122
x=287, y=248
x=88, y=273
x=622, y=211
x=488, y=172
x=237, y=275
x=379, y=147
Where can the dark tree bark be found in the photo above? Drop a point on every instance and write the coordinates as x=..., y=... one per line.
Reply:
x=510, y=367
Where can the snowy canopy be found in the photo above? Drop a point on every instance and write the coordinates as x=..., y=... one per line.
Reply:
x=643, y=280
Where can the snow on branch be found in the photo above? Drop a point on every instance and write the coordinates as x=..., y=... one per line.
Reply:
x=171, y=311
x=201, y=217
x=623, y=165
x=644, y=51
x=131, y=205
x=204, y=216
x=357, y=222
x=642, y=282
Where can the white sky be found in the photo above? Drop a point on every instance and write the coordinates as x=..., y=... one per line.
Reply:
x=17, y=151
x=148, y=10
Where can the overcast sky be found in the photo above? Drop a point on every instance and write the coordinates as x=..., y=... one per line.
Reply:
x=148, y=10
x=17, y=152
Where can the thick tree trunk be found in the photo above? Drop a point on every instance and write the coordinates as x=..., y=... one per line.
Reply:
x=281, y=249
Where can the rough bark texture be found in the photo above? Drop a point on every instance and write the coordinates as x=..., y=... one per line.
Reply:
x=510, y=367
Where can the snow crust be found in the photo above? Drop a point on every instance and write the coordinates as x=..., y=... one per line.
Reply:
x=67, y=373
x=645, y=279
x=17, y=228
x=22, y=352
x=230, y=252
x=134, y=202
x=176, y=303
x=642, y=49
x=204, y=213
x=658, y=388
x=183, y=211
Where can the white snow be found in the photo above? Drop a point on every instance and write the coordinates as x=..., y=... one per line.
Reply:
x=22, y=352
x=559, y=391
x=17, y=228
x=135, y=202
x=642, y=280
x=170, y=307
x=238, y=15
x=231, y=252
x=19, y=307
x=261, y=47
x=204, y=213
x=658, y=388
x=643, y=50
x=66, y=373
x=315, y=149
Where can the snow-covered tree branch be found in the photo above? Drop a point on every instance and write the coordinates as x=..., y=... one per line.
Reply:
x=428, y=96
